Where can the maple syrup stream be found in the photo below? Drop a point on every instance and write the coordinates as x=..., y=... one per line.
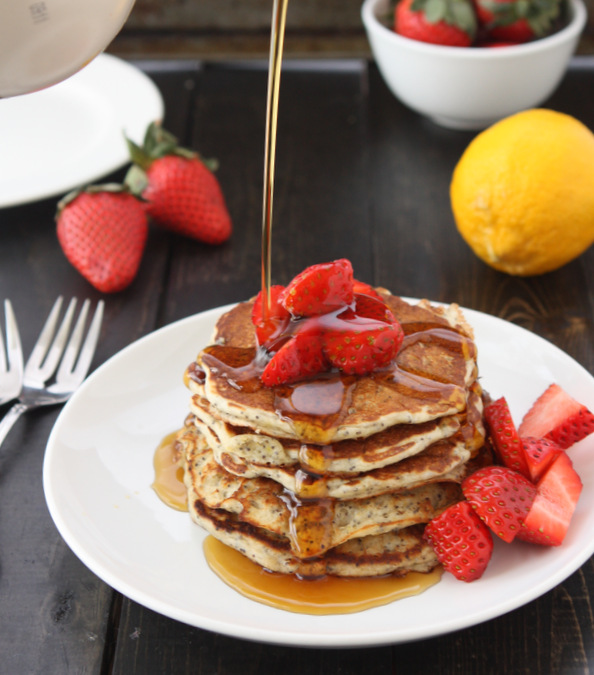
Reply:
x=277, y=37
x=327, y=595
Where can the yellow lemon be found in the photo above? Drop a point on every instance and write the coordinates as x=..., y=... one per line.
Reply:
x=522, y=193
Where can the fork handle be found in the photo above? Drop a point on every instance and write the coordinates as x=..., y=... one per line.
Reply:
x=10, y=418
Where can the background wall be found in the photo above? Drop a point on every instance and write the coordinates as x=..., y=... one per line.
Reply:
x=241, y=28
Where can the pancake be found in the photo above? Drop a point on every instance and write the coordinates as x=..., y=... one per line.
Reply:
x=337, y=474
x=265, y=503
x=214, y=484
x=245, y=453
x=428, y=380
x=396, y=552
x=250, y=452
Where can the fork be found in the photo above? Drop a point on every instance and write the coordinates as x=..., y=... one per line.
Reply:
x=71, y=361
x=11, y=360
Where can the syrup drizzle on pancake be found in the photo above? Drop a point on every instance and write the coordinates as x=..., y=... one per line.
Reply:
x=314, y=406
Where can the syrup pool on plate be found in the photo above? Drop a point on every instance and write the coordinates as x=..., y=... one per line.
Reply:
x=325, y=595
x=169, y=474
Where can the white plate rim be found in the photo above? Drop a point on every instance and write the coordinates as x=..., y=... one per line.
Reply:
x=133, y=100
x=354, y=630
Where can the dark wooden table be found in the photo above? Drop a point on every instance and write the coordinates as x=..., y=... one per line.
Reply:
x=358, y=176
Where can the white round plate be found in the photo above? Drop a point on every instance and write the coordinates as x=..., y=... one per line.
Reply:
x=72, y=134
x=98, y=472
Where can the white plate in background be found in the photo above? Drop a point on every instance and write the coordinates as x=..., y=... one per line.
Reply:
x=72, y=134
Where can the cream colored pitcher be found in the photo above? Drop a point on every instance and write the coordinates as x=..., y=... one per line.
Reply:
x=45, y=41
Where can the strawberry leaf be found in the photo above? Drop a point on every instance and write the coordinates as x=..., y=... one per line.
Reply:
x=435, y=10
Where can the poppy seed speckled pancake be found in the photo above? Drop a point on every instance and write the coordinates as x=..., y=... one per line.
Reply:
x=396, y=552
x=428, y=380
x=248, y=450
x=245, y=453
x=442, y=461
x=339, y=473
x=260, y=505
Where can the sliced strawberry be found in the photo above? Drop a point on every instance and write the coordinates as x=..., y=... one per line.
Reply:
x=361, y=288
x=501, y=497
x=558, y=416
x=506, y=439
x=320, y=289
x=540, y=454
x=359, y=345
x=370, y=307
x=557, y=495
x=277, y=317
x=462, y=542
x=300, y=357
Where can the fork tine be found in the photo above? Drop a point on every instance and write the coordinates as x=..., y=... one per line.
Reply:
x=44, y=357
x=12, y=350
x=13, y=340
x=41, y=346
x=87, y=351
x=67, y=362
x=3, y=364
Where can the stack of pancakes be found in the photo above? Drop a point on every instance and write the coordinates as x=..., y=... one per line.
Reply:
x=335, y=475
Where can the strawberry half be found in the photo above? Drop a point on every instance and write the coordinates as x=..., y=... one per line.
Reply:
x=320, y=289
x=359, y=345
x=462, y=542
x=299, y=357
x=558, y=416
x=505, y=437
x=361, y=288
x=103, y=231
x=277, y=317
x=370, y=307
x=540, y=453
x=501, y=497
x=557, y=496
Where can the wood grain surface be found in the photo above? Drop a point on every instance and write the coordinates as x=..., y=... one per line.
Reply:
x=359, y=176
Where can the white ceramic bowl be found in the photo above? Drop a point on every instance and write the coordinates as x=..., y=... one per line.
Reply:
x=470, y=87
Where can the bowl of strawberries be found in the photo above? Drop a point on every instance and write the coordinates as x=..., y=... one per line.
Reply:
x=468, y=63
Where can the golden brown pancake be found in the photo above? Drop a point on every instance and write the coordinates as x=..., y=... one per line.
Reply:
x=245, y=453
x=264, y=503
x=248, y=450
x=443, y=460
x=396, y=552
x=429, y=380
x=338, y=474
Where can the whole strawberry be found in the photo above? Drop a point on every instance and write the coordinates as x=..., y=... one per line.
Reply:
x=181, y=192
x=102, y=231
x=517, y=20
x=443, y=22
